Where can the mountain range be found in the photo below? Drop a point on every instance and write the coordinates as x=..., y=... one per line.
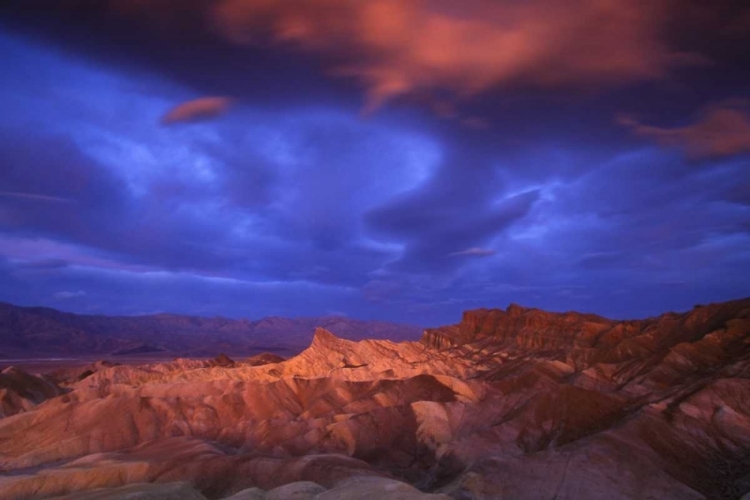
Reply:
x=41, y=331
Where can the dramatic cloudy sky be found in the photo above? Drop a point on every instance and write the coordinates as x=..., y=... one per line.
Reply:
x=389, y=159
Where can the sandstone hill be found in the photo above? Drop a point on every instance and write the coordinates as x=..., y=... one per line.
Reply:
x=516, y=403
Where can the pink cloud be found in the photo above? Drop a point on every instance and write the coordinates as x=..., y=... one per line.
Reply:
x=722, y=130
x=200, y=109
x=398, y=47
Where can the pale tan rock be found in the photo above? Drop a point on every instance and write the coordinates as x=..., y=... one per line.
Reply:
x=302, y=490
x=372, y=488
x=434, y=429
x=248, y=494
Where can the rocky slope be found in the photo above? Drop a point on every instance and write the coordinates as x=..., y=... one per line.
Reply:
x=517, y=403
x=36, y=331
x=21, y=391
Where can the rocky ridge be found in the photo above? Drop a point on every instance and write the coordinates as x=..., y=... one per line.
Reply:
x=515, y=403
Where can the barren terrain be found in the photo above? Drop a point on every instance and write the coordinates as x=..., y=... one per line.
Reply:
x=516, y=403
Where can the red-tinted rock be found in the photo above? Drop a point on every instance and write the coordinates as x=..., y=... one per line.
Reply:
x=519, y=403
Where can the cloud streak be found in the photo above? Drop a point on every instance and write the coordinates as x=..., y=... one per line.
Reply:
x=474, y=252
x=201, y=109
x=35, y=197
x=722, y=130
x=68, y=294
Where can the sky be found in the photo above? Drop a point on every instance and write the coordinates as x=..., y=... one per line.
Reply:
x=401, y=160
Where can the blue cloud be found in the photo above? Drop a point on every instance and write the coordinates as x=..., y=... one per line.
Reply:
x=295, y=208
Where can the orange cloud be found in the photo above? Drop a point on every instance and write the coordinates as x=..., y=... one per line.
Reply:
x=200, y=109
x=397, y=47
x=722, y=130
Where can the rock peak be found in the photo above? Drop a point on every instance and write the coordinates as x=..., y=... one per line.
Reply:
x=323, y=337
x=514, y=309
x=223, y=360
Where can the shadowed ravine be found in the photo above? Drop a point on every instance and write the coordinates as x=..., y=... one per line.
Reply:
x=520, y=403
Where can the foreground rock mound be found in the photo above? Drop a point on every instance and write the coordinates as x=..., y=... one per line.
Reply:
x=140, y=491
x=516, y=403
x=367, y=488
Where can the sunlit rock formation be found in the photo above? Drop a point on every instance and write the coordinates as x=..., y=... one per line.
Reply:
x=517, y=403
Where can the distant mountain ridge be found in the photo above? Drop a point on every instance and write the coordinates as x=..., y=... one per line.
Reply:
x=31, y=331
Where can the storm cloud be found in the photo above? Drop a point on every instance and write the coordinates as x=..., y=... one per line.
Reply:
x=491, y=172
